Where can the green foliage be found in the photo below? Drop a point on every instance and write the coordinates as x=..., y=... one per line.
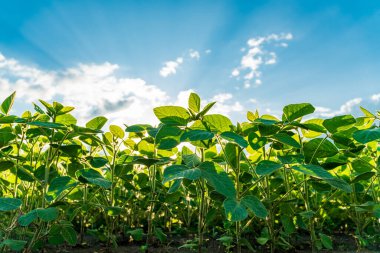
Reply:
x=267, y=179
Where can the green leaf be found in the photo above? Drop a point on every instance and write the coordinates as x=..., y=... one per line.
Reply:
x=48, y=214
x=326, y=241
x=179, y=172
x=66, y=119
x=319, y=148
x=168, y=137
x=255, y=141
x=206, y=109
x=286, y=139
x=367, y=135
x=235, y=138
x=367, y=113
x=339, y=123
x=137, y=234
x=363, y=177
x=9, y=204
x=295, y=111
x=98, y=162
x=97, y=123
x=5, y=138
x=46, y=125
x=218, y=179
x=6, y=165
x=339, y=184
x=93, y=177
x=138, y=128
x=218, y=122
x=361, y=165
x=194, y=102
x=15, y=245
x=231, y=152
x=255, y=205
x=313, y=170
x=117, y=131
x=266, y=167
x=7, y=103
x=197, y=135
x=172, y=115
x=69, y=234
x=234, y=210
x=58, y=185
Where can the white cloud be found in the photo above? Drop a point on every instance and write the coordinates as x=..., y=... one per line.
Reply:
x=375, y=97
x=96, y=89
x=257, y=55
x=194, y=54
x=346, y=108
x=208, y=51
x=170, y=67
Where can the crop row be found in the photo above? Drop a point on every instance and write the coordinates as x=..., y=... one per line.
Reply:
x=259, y=184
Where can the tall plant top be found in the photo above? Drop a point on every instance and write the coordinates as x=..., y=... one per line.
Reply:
x=261, y=184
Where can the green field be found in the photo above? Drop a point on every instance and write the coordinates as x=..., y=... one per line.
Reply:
x=195, y=182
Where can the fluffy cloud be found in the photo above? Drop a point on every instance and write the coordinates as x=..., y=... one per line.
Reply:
x=95, y=89
x=194, y=54
x=375, y=97
x=257, y=55
x=346, y=108
x=170, y=67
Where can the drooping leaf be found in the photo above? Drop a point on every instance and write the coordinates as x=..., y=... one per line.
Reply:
x=255, y=205
x=174, y=172
x=69, y=234
x=218, y=179
x=93, y=177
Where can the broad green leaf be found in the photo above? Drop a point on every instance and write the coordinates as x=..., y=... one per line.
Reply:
x=14, y=245
x=48, y=214
x=97, y=123
x=194, y=102
x=117, y=131
x=255, y=141
x=363, y=177
x=172, y=115
x=326, y=241
x=266, y=167
x=234, y=210
x=295, y=111
x=168, y=137
x=286, y=139
x=255, y=205
x=9, y=204
x=319, y=148
x=93, y=177
x=196, y=135
x=179, y=172
x=58, y=185
x=98, y=162
x=7, y=103
x=235, y=138
x=218, y=179
x=339, y=184
x=367, y=135
x=217, y=122
x=137, y=234
x=361, y=165
x=339, y=123
x=66, y=119
x=69, y=234
x=6, y=165
x=5, y=138
x=367, y=113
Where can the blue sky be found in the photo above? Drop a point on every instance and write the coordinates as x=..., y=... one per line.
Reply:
x=323, y=52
